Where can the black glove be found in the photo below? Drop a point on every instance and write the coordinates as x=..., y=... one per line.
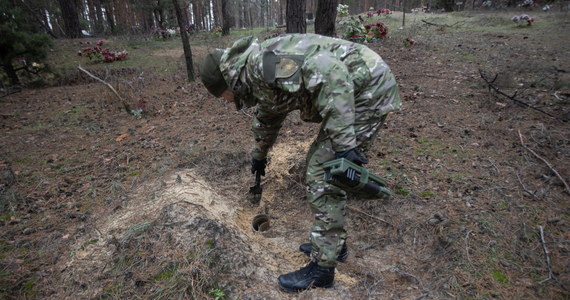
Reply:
x=353, y=155
x=258, y=166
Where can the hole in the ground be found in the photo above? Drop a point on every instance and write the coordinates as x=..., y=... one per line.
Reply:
x=260, y=223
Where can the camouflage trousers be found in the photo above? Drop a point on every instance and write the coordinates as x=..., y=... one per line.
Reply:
x=328, y=202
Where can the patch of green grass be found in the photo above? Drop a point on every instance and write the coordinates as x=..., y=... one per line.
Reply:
x=165, y=274
x=36, y=127
x=28, y=288
x=499, y=276
x=425, y=141
x=470, y=58
x=112, y=291
x=134, y=173
x=402, y=191
x=4, y=249
x=210, y=244
x=456, y=178
x=86, y=244
x=217, y=293
x=427, y=194
x=72, y=113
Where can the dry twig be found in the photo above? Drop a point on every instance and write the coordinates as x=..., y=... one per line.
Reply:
x=548, y=264
x=440, y=25
x=525, y=189
x=566, y=187
x=467, y=245
x=409, y=275
x=496, y=89
x=366, y=214
x=108, y=85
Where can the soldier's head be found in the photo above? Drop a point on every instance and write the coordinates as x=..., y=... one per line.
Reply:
x=212, y=76
x=214, y=72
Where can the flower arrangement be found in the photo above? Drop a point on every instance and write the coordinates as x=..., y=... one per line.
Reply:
x=408, y=42
x=376, y=30
x=527, y=3
x=379, y=12
x=98, y=53
x=356, y=31
x=522, y=18
x=352, y=28
x=342, y=10
x=162, y=34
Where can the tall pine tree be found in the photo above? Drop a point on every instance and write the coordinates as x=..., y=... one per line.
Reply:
x=19, y=41
x=295, y=20
x=326, y=17
x=70, y=17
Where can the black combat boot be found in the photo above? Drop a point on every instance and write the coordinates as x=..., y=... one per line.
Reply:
x=342, y=256
x=309, y=276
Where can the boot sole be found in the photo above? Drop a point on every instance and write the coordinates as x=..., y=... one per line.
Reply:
x=288, y=290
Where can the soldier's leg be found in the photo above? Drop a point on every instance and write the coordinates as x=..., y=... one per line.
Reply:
x=328, y=205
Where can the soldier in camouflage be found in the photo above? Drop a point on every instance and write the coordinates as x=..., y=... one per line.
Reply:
x=344, y=86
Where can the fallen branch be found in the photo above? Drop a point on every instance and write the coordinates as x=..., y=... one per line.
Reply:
x=548, y=264
x=525, y=189
x=434, y=24
x=467, y=245
x=566, y=186
x=125, y=105
x=8, y=93
x=496, y=89
x=440, y=25
x=366, y=214
x=409, y=275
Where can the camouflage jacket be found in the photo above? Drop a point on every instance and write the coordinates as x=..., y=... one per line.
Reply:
x=315, y=74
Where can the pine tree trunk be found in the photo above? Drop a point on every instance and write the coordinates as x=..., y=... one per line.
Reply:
x=11, y=72
x=196, y=13
x=70, y=17
x=185, y=44
x=147, y=19
x=109, y=12
x=282, y=4
x=326, y=17
x=226, y=18
x=100, y=28
x=296, y=22
x=92, y=17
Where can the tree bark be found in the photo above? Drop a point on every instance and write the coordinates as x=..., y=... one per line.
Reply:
x=197, y=14
x=11, y=72
x=92, y=17
x=99, y=27
x=281, y=7
x=296, y=22
x=185, y=44
x=70, y=17
x=226, y=18
x=109, y=12
x=326, y=17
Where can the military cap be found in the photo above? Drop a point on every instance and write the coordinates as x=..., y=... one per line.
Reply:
x=211, y=74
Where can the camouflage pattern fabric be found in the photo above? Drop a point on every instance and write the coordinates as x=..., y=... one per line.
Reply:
x=345, y=86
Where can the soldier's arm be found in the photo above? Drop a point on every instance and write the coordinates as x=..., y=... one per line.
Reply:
x=265, y=127
x=328, y=78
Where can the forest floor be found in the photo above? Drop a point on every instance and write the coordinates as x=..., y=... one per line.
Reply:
x=96, y=203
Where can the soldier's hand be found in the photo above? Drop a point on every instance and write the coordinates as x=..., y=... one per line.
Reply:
x=353, y=155
x=258, y=166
